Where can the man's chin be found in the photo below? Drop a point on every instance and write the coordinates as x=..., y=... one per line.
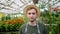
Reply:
x=31, y=20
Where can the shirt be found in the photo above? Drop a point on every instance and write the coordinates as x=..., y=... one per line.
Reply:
x=33, y=29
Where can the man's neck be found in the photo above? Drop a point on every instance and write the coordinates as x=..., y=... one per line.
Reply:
x=32, y=23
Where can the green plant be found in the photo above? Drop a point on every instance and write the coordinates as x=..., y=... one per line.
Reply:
x=11, y=24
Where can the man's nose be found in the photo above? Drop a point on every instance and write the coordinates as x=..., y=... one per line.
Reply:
x=31, y=15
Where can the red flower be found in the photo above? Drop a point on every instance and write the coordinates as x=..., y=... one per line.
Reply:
x=13, y=22
x=56, y=9
x=19, y=20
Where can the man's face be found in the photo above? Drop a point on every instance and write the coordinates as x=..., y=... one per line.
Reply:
x=31, y=14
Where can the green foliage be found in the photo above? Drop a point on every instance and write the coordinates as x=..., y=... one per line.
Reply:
x=8, y=17
x=51, y=18
x=7, y=24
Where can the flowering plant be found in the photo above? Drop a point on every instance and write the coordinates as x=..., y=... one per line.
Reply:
x=11, y=25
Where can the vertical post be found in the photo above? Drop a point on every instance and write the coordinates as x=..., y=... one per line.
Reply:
x=35, y=1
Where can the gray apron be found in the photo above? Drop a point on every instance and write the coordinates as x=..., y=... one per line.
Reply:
x=33, y=33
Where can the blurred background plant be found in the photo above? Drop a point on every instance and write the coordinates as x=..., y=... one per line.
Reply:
x=50, y=15
x=8, y=24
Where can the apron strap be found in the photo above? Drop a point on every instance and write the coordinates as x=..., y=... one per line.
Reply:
x=26, y=28
x=37, y=28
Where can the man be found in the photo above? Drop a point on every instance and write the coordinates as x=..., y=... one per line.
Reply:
x=32, y=26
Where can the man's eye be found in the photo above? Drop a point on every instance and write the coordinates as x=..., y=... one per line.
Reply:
x=33, y=13
x=29, y=13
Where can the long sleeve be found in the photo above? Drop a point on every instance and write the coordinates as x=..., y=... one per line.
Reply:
x=22, y=29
